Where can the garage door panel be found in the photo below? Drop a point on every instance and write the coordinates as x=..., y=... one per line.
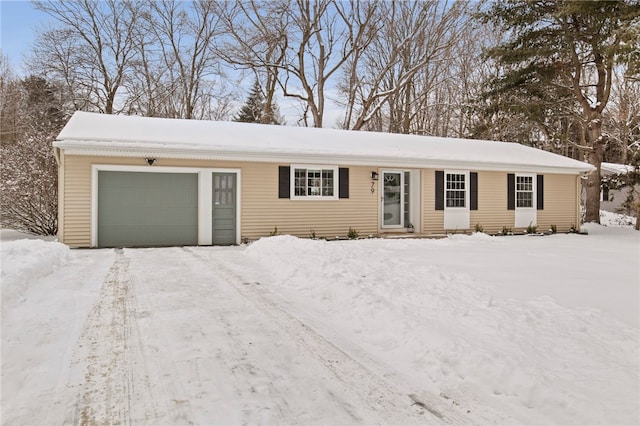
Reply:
x=147, y=209
x=139, y=236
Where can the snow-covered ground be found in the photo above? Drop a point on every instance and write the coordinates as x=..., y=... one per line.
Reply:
x=467, y=329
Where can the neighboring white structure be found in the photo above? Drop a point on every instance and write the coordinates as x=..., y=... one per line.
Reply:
x=612, y=199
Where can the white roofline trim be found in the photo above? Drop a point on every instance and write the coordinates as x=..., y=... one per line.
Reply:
x=76, y=148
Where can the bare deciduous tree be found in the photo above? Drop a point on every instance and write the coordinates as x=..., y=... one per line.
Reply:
x=93, y=49
x=186, y=41
x=257, y=42
x=397, y=72
x=298, y=45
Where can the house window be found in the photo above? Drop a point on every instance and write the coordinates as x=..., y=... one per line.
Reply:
x=524, y=191
x=314, y=182
x=605, y=192
x=455, y=190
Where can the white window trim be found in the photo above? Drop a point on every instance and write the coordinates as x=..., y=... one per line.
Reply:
x=205, y=196
x=292, y=182
x=467, y=191
x=534, y=193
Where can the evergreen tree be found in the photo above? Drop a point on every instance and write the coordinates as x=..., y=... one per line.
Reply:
x=251, y=111
x=570, y=48
x=257, y=110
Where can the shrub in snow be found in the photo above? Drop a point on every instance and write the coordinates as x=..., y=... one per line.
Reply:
x=274, y=232
x=29, y=184
x=352, y=234
x=29, y=187
x=507, y=230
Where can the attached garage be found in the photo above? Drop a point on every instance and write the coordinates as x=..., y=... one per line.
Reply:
x=147, y=209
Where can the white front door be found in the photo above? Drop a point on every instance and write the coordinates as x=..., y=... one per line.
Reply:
x=392, y=199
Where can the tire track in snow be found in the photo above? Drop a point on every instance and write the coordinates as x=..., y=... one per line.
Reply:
x=359, y=382
x=115, y=386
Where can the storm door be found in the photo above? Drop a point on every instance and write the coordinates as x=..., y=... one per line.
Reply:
x=393, y=206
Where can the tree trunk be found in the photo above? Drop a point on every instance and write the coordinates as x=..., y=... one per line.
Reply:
x=592, y=200
x=594, y=157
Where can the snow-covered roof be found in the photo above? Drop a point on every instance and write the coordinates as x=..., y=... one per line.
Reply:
x=117, y=135
x=615, y=168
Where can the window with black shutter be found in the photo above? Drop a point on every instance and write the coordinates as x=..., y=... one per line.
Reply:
x=313, y=182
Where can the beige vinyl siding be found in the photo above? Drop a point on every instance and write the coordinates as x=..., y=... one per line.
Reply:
x=432, y=219
x=560, y=207
x=261, y=209
x=77, y=203
x=492, y=213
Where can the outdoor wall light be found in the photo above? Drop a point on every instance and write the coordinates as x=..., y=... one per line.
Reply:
x=374, y=175
x=150, y=161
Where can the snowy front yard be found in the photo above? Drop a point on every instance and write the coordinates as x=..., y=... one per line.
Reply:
x=468, y=329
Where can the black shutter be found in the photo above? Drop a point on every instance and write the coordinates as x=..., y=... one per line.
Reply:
x=473, y=187
x=284, y=182
x=540, y=193
x=343, y=179
x=511, y=191
x=439, y=190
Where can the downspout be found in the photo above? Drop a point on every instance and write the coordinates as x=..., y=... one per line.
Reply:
x=59, y=156
x=56, y=155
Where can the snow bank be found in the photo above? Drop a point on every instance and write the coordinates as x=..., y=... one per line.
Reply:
x=24, y=261
x=613, y=219
x=454, y=333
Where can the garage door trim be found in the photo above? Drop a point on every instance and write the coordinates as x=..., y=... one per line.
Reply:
x=205, y=201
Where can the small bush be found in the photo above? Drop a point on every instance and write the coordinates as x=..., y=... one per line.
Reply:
x=531, y=229
x=352, y=234
x=312, y=234
x=479, y=228
x=274, y=232
x=554, y=229
x=573, y=229
x=507, y=230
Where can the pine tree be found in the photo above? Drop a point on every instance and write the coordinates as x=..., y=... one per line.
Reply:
x=568, y=46
x=256, y=109
x=251, y=111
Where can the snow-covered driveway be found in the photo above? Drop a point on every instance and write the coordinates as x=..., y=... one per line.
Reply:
x=465, y=330
x=176, y=337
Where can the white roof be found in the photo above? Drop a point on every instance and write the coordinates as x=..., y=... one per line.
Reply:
x=615, y=168
x=118, y=135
